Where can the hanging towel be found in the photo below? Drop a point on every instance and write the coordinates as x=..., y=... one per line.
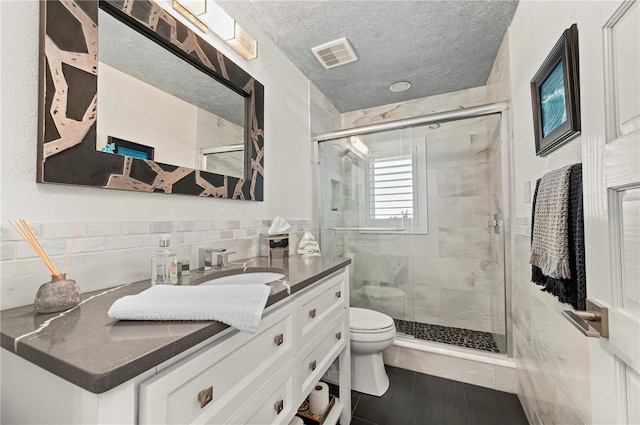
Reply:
x=239, y=306
x=550, y=241
x=573, y=289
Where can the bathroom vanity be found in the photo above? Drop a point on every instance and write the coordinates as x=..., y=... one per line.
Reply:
x=83, y=367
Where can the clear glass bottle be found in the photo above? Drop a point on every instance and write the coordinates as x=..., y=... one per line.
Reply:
x=164, y=264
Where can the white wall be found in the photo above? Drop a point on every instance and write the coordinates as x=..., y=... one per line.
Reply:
x=552, y=356
x=122, y=225
x=135, y=111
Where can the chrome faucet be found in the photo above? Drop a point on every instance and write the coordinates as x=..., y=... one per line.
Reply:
x=206, y=258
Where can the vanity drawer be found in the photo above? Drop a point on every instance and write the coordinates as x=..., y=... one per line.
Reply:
x=316, y=358
x=214, y=383
x=320, y=305
x=273, y=404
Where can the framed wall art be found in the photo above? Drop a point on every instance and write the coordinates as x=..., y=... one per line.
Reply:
x=555, y=95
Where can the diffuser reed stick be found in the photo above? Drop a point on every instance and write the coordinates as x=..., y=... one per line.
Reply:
x=23, y=229
x=73, y=244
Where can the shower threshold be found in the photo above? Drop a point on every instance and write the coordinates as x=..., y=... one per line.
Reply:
x=467, y=338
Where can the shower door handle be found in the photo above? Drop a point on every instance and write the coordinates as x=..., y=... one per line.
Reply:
x=494, y=224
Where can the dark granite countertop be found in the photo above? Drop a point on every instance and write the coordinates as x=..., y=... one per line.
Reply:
x=86, y=347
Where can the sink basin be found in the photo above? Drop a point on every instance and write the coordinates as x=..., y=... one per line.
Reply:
x=251, y=275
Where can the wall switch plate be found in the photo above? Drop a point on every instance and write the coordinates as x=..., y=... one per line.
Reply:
x=527, y=191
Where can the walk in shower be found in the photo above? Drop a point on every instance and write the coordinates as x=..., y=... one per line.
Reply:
x=418, y=210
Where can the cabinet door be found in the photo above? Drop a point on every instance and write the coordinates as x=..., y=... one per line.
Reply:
x=215, y=383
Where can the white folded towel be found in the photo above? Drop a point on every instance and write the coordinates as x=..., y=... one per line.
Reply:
x=239, y=306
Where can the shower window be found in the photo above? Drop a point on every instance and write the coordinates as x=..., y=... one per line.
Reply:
x=397, y=189
x=391, y=187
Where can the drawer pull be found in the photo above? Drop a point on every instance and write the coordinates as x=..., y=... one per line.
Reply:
x=312, y=313
x=312, y=365
x=339, y=335
x=278, y=339
x=205, y=396
x=338, y=294
x=278, y=406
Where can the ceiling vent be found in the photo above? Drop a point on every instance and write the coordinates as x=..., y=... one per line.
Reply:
x=335, y=53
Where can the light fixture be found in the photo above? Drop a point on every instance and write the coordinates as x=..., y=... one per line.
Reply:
x=208, y=16
x=242, y=43
x=191, y=9
x=225, y=27
x=356, y=146
x=399, y=86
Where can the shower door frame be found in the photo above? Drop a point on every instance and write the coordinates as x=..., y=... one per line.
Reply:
x=501, y=108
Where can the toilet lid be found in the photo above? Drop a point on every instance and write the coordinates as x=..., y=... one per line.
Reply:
x=365, y=320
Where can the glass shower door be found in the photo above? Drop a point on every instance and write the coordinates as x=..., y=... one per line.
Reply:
x=418, y=210
x=366, y=202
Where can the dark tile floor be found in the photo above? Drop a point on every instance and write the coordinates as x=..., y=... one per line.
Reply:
x=417, y=399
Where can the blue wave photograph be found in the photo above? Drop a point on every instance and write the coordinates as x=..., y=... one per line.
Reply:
x=552, y=100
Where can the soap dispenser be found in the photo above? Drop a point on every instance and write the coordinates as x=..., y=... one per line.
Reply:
x=164, y=264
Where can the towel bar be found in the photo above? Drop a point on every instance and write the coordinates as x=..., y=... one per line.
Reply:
x=593, y=322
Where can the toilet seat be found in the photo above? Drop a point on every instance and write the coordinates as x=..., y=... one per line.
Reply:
x=364, y=321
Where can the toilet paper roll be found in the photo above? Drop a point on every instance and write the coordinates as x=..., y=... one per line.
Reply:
x=296, y=421
x=319, y=399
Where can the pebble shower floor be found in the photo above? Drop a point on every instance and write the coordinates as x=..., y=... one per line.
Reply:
x=478, y=340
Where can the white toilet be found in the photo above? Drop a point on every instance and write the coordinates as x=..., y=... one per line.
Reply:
x=371, y=333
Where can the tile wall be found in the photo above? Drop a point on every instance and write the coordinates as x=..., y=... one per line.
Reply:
x=108, y=254
x=551, y=355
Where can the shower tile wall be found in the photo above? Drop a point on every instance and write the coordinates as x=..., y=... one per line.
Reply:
x=455, y=272
x=453, y=276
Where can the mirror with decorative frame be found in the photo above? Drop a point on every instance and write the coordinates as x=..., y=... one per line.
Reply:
x=208, y=140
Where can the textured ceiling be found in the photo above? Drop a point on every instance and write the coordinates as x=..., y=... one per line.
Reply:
x=438, y=46
x=132, y=53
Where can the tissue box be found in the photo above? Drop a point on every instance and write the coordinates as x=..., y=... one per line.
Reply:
x=274, y=246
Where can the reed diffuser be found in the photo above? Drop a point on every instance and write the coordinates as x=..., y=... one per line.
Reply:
x=60, y=293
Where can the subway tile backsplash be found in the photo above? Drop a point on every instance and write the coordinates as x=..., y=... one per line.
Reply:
x=108, y=254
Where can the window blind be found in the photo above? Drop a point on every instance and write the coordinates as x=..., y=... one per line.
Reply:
x=391, y=188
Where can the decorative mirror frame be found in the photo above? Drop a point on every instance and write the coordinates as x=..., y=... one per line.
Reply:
x=68, y=103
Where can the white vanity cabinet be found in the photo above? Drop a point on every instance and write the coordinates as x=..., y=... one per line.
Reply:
x=232, y=378
x=259, y=378
x=213, y=384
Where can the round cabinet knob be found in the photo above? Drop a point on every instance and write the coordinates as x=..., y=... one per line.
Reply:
x=312, y=365
x=278, y=406
x=339, y=335
x=312, y=313
x=338, y=294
